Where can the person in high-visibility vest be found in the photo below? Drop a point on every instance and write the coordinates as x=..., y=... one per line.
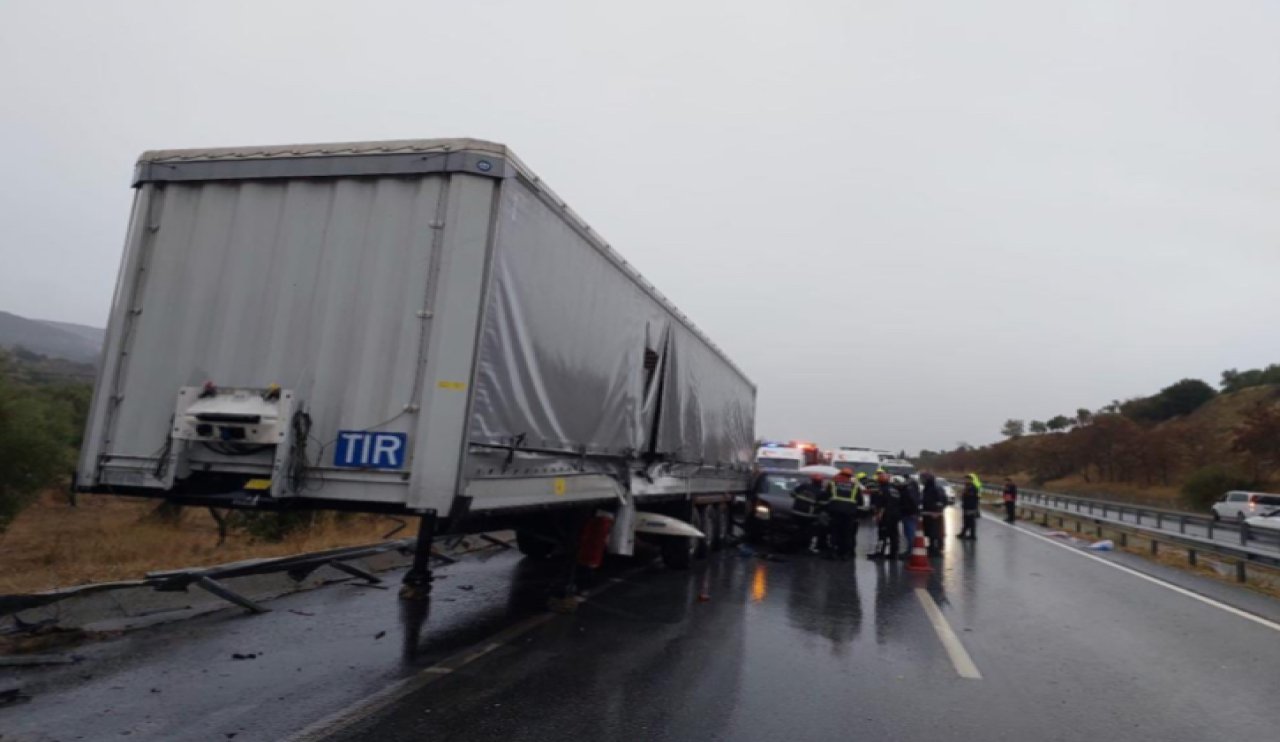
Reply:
x=846, y=500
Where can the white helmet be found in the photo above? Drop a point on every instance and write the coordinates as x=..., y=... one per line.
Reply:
x=897, y=480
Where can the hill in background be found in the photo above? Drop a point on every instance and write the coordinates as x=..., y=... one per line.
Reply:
x=79, y=344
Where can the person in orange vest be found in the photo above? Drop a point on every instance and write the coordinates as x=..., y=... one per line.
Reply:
x=1010, y=500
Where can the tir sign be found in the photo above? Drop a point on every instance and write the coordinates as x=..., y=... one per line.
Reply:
x=361, y=450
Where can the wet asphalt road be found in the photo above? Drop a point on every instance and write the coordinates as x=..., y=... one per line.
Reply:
x=802, y=649
x=1068, y=648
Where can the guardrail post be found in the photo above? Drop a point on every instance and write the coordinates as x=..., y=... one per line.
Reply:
x=1241, y=575
x=1091, y=507
x=1137, y=516
x=1159, y=520
x=1104, y=510
x=1191, y=557
x=1182, y=524
x=1244, y=534
x=1124, y=539
x=1210, y=527
x=1155, y=547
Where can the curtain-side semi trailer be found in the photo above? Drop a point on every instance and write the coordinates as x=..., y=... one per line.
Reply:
x=410, y=326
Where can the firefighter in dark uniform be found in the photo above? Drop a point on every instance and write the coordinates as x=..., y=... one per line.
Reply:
x=969, y=502
x=808, y=501
x=933, y=501
x=887, y=506
x=845, y=500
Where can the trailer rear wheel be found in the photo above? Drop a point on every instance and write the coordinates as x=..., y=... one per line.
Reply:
x=677, y=551
x=533, y=544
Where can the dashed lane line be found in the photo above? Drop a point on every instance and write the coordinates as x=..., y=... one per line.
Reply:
x=372, y=704
x=955, y=649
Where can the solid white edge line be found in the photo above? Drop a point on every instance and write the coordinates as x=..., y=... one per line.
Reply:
x=955, y=649
x=1143, y=575
x=365, y=707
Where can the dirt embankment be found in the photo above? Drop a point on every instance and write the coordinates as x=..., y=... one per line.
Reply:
x=53, y=544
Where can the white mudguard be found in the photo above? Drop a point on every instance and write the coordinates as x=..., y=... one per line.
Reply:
x=664, y=525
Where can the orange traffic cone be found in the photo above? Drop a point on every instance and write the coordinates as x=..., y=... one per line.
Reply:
x=919, y=561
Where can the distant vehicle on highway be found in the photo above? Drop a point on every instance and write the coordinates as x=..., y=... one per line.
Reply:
x=1269, y=520
x=787, y=456
x=1243, y=505
x=948, y=490
x=899, y=468
x=858, y=459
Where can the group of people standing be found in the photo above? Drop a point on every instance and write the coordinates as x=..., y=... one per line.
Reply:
x=897, y=505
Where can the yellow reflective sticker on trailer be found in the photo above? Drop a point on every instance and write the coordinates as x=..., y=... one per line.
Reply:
x=257, y=485
x=457, y=386
x=558, y=484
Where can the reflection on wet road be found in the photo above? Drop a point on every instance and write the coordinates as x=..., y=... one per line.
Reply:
x=807, y=649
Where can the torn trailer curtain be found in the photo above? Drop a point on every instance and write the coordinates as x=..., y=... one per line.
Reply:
x=578, y=355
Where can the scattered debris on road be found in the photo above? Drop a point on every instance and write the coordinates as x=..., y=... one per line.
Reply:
x=12, y=695
x=35, y=660
x=244, y=656
x=1103, y=545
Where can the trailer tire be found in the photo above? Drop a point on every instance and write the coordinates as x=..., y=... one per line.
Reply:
x=677, y=551
x=533, y=544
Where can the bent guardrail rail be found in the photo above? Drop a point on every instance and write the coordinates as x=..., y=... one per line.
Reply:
x=297, y=566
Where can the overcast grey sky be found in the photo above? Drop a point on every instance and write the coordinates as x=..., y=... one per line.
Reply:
x=906, y=221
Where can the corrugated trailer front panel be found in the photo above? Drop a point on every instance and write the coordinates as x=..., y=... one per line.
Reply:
x=318, y=285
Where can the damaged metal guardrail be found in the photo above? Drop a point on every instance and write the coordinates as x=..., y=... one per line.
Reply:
x=297, y=566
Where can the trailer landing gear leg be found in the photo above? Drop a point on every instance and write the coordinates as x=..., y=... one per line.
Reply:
x=417, y=581
x=563, y=597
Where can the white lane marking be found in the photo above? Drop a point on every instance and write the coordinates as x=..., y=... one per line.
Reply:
x=955, y=650
x=372, y=704
x=1154, y=580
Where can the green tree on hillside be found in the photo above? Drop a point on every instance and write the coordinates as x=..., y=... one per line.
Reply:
x=1083, y=416
x=37, y=428
x=1234, y=381
x=1013, y=429
x=1058, y=422
x=1038, y=427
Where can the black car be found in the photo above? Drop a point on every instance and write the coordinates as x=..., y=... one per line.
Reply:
x=769, y=513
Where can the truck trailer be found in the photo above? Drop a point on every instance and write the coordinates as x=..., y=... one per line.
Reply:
x=417, y=327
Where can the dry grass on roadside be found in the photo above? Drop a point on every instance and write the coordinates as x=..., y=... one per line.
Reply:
x=1156, y=497
x=52, y=544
